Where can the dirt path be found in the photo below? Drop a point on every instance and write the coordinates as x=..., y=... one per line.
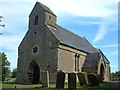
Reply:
x=21, y=86
x=24, y=87
x=114, y=86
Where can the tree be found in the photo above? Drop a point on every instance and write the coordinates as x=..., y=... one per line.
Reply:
x=5, y=65
x=14, y=72
x=116, y=75
x=1, y=25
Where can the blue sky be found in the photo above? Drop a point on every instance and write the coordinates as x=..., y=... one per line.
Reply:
x=94, y=19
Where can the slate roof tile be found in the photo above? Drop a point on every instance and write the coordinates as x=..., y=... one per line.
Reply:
x=73, y=40
x=91, y=60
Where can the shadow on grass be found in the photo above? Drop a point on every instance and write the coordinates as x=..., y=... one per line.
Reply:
x=53, y=86
x=10, y=89
x=10, y=83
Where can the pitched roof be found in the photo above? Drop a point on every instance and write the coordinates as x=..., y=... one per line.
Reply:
x=70, y=39
x=46, y=8
x=91, y=60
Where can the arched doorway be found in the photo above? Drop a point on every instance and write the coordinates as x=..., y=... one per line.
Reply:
x=34, y=73
x=102, y=71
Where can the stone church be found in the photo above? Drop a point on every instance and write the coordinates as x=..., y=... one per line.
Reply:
x=50, y=47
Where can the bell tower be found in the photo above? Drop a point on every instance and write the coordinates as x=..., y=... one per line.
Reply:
x=50, y=19
x=41, y=15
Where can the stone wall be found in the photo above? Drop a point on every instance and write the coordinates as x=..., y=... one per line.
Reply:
x=50, y=19
x=66, y=59
x=107, y=73
x=40, y=36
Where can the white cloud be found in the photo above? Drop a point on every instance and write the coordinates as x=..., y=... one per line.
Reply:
x=12, y=58
x=101, y=33
x=114, y=66
x=10, y=42
x=9, y=45
x=94, y=8
x=112, y=53
x=90, y=22
x=110, y=45
x=107, y=25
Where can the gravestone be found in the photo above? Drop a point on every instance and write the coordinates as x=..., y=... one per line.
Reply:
x=45, y=79
x=100, y=79
x=93, y=79
x=72, y=80
x=60, y=79
x=82, y=77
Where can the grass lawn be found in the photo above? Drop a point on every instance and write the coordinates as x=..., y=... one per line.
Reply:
x=53, y=85
x=11, y=86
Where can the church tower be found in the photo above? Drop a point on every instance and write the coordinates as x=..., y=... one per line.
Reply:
x=41, y=15
x=34, y=52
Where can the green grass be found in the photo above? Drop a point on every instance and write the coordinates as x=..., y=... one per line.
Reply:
x=53, y=86
x=35, y=85
x=9, y=84
x=115, y=81
x=101, y=87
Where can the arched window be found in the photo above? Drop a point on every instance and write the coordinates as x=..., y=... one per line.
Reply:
x=77, y=62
